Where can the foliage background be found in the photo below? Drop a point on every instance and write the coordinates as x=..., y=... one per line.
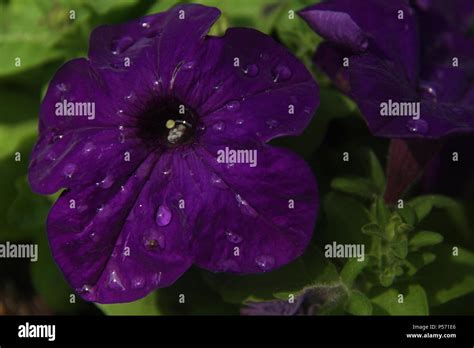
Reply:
x=411, y=249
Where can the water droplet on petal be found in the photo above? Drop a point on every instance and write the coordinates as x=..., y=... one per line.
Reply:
x=130, y=97
x=272, y=124
x=163, y=215
x=233, y=105
x=239, y=122
x=418, y=126
x=106, y=183
x=251, y=70
x=233, y=237
x=88, y=147
x=69, y=170
x=428, y=91
x=86, y=289
x=217, y=181
x=245, y=207
x=114, y=282
x=189, y=65
x=62, y=87
x=265, y=262
x=166, y=172
x=121, y=45
x=94, y=237
x=281, y=73
x=145, y=25
x=138, y=283
x=219, y=126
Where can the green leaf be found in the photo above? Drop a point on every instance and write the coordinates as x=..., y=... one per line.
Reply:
x=415, y=261
x=425, y=238
x=381, y=212
x=358, y=304
x=450, y=276
x=28, y=211
x=355, y=186
x=372, y=229
x=310, y=270
x=49, y=282
x=423, y=205
x=376, y=171
x=145, y=306
x=414, y=301
x=351, y=271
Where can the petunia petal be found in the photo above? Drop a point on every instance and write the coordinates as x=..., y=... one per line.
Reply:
x=246, y=77
x=117, y=245
x=388, y=26
x=262, y=216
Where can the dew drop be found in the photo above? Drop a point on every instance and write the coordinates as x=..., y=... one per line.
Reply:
x=145, y=25
x=86, y=289
x=62, y=87
x=217, y=181
x=265, y=262
x=219, y=126
x=239, y=122
x=281, y=73
x=88, y=147
x=233, y=105
x=189, y=65
x=251, y=70
x=138, y=283
x=163, y=216
x=233, y=237
x=115, y=283
x=94, y=237
x=51, y=156
x=130, y=97
x=121, y=45
x=428, y=91
x=69, y=170
x=245, y=207
x=106, y=183
x=418, y=126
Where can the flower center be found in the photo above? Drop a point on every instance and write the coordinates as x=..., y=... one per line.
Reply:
x=167, y=123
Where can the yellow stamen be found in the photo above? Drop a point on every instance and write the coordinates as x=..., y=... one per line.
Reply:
x=170, y=124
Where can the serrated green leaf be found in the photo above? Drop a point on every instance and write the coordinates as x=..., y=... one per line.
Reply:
x=414, y=301
x=358, y=304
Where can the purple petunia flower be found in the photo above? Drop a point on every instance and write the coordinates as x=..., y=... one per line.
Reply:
x=160, y=141
x=409, y=68
x=384, y=53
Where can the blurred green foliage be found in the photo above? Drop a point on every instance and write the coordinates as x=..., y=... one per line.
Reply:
x=422, y=251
